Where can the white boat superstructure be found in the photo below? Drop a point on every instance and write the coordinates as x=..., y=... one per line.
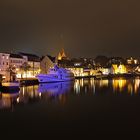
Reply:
x=56, y=74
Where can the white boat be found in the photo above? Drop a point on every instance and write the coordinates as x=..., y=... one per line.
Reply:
x=56, y=74
x=10, y=86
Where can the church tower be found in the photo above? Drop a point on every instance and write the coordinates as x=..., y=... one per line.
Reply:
x=62, y=55
x=59, y=56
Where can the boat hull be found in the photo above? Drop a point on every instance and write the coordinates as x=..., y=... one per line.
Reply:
x=10, y=87
x=47, y=79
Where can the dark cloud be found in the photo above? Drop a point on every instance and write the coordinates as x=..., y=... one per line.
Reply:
x=89, y=27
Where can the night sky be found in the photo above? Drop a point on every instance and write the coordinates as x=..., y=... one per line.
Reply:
x=89, y=27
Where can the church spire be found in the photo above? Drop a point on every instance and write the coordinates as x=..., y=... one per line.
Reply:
x=59, y=56
x=63, y=53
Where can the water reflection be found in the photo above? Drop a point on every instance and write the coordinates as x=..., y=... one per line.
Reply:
x=61, y=91
x=118, y=84
x=30, y=94
x=128, y=86
x=54, y=89
x=7, y=100
x=85, y=85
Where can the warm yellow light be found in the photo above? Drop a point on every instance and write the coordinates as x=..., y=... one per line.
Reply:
x=18, y=100
x=119, y=84
x=121, y=69
x=135, y=61
x=40, y=94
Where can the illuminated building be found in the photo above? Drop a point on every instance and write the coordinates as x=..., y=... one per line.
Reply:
x=81, y=72
x=34, y=65
x=4, y=64
x=16, y=60
x=10, y=60
x=132, y=61
x=118, y=69
x=77, y=71
x=46, y=63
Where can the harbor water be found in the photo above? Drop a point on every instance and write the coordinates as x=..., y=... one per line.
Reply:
x=84, y=106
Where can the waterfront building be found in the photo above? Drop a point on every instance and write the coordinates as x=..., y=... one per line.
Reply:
x=4, y=64
x=16, y=60
x=79, y=66
x=10, y=62
x=46, y=63
x=132, y=61
x=78, y=72
x=118, y=69
x=32, y=61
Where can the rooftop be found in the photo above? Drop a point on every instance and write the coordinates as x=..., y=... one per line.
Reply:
x=31, y=57
x=15, y=56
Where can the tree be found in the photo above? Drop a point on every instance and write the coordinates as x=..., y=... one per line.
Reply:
x=101, y=60
x=11, y=69
x=25, y=67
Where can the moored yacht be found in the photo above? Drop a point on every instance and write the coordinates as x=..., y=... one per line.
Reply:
x=56, y=74
x=10, y=86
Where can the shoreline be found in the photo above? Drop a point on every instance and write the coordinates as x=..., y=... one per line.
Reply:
x=34, y=81
x=110, y=76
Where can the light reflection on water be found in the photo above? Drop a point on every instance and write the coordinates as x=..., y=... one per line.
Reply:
x=59, y=91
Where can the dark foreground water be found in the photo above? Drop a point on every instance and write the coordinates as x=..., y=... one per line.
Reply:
x=86, y=107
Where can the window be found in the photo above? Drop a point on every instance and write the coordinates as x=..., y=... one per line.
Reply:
x=7, y=63
x=3, y=63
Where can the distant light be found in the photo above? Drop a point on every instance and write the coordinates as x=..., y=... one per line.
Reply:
x=39, y=94
x=77, y=64
x=18, y=100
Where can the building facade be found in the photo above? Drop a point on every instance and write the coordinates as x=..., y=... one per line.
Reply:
x=46, y=63
x=4, y=64
x=11, y=65
x=32, y=62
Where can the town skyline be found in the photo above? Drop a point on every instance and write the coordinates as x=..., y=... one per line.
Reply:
x=68, y=54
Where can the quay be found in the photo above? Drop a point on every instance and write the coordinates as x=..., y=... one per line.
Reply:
x=34, y=81
x=110, y=76
x=29, y=81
